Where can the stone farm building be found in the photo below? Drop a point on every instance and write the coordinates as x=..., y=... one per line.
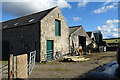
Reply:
x=93, y=44
x=43, y=31
x=98, y=39
x=78, y=36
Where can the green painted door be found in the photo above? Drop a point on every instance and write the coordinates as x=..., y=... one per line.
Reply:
x=50, y=49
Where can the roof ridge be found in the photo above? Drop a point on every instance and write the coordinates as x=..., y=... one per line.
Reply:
x=75, y=26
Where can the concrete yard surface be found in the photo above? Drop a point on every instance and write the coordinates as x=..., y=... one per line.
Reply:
x=4, y=69
x=58, y=69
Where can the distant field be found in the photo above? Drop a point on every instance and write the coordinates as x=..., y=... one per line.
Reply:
x=112, y=41
x=3, y=63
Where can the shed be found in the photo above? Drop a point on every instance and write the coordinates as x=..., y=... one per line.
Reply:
x=77, y=37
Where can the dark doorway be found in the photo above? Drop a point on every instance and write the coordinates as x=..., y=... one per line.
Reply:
x=5, y=50
x=82, y=41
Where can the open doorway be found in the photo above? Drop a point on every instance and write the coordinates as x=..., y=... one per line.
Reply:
x=5, y=50
x=82, y=42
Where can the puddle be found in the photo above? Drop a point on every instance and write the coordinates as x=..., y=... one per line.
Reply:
x=110, y=70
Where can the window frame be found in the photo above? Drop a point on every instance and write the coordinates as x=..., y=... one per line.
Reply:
x=59, y=27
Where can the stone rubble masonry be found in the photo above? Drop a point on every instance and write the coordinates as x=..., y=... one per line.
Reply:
x=21, y=66
x=48, y=33
x=27, y=38
x=10, y=66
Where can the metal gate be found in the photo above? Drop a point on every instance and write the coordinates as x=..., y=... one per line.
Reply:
x=31, y=61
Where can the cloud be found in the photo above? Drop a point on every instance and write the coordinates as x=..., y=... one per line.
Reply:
x=63, y=4
x=105, y=8
x=110, y=28
x=114, y=30
x=31, y=6
x=115, y=35
x=77, y=18
x=83, y=4
x=107, y=2
x=99, y=28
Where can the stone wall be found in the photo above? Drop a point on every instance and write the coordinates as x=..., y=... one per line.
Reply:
x=27, y=38
x=20, y=40
x=22, y=66
x=18, y=66
x=48, y=32
x=10, y=66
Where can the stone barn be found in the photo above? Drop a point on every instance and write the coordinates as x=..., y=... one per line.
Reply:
x=45, y=31
x=77, y=37
x=93, y=44
x=99, y=41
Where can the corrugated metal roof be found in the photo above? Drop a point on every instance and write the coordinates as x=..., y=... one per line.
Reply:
x=32, y=18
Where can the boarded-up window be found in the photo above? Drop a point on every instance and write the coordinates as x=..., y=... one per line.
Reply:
x=57, y=28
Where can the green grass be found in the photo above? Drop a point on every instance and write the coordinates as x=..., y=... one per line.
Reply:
x=112, y=41
x=4, y=61
x=60, y=69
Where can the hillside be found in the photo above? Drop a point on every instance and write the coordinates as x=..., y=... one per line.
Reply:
x=112, y=40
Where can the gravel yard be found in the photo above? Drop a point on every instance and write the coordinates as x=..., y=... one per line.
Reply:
x=58, y=69
x=4, y=69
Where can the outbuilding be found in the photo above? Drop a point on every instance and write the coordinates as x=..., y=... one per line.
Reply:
x=45, y=32
x=93, y=44
x=99, y=41
x=78, y=37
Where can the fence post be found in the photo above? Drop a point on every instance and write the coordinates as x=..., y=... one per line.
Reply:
x=18, y=67
x=22, y=66
x=10, y=66
x=15, y=66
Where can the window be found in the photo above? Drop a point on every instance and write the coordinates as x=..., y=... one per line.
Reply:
x=31, y=20
x=16, y=24
x=57, y=28
x=5, y=26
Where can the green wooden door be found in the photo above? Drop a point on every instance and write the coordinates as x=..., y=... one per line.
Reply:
x=49, y=49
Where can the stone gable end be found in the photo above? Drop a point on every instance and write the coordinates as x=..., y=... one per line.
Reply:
x=48, y=32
